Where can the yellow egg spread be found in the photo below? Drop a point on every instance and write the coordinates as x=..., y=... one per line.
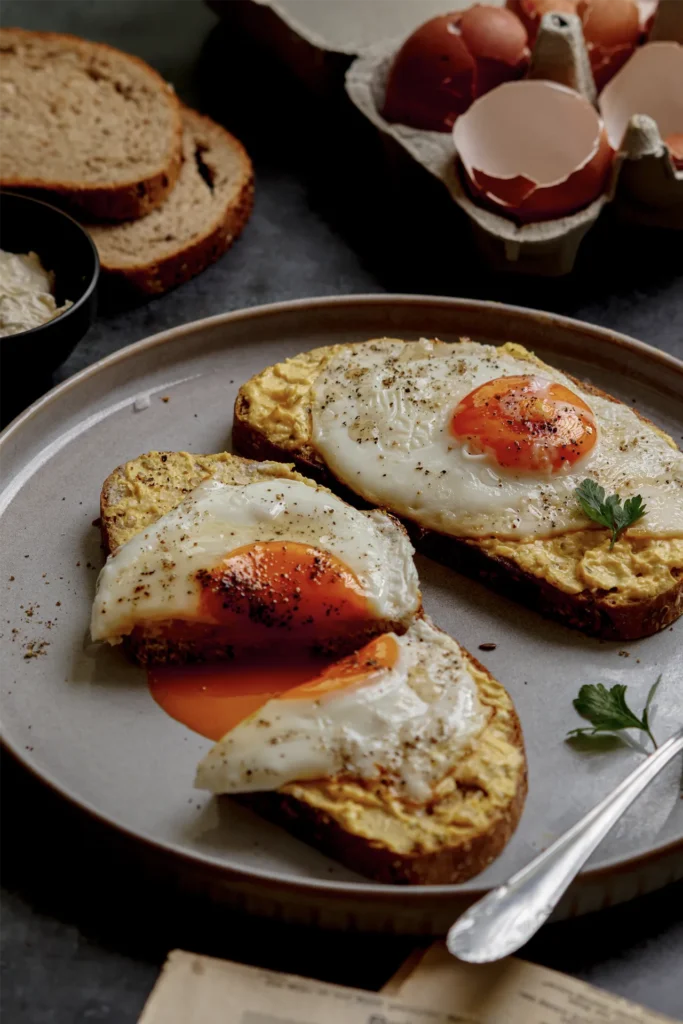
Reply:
x=280, y=397
x=470, y=800
x=639, y=567
x=279, y=406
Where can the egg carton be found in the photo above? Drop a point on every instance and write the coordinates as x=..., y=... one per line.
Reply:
x=644, y=186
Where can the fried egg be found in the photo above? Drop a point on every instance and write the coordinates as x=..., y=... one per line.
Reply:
x=277, y=555
x=400, y=710
x=471, y=440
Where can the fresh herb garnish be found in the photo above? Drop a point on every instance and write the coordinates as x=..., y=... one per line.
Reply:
x=609, y=512
x=607, y=711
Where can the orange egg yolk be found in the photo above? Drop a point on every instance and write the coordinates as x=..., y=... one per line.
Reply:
x=525, y=423
x=213, y=699
x=283, y=587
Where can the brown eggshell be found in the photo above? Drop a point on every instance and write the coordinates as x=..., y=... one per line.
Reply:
x=647, y=10
x=530, y=12
x=675, y=143
x=611, y=29
x=533, y=150
x=650, y=83
x=494, y=33
x=449, y=61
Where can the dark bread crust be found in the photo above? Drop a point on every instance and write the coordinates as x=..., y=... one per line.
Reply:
x=449, y=865
x=159, y=276
x=181, y=266
x=125, y=200
x=104, y=202
x=598, y=613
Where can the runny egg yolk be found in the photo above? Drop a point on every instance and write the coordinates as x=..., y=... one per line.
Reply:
x=213, y=699
x=283, y=586
x=525, y=423
x=380, y=654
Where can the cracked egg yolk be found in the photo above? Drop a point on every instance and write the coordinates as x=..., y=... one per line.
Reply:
x=213, y=699
x=528, y=424
x=284, y=586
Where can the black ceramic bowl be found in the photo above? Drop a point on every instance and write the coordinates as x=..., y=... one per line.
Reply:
x=64, y=247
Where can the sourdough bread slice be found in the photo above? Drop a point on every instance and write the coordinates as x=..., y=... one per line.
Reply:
x=367, y=826
x=370, y=826
x=199, y=220
x=638, y=591
x=96, y=127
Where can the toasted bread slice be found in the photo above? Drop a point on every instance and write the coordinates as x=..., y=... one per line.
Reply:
x=197, y=223
x=368, y=827
x=630, y=591
x=140, y=492
x=95, y=127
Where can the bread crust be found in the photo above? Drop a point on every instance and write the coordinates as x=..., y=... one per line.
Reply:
x=126, y=200
x=597, y=613
x=159, y=276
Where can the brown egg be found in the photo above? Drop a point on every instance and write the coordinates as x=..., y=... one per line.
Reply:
x=450, y=61
x=611, y=29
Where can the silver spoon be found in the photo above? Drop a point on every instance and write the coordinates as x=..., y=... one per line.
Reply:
x=508, y=916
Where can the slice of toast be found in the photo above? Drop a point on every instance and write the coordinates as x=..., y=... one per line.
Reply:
x=96, y=128
x=197, y=223
x=371, y=828
x=143, y=490
x=640, y=595
x=367, y=827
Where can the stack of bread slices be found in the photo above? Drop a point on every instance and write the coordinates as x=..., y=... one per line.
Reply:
x=163, y=190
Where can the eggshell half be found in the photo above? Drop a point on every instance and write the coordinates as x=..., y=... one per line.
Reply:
x=449, y=61
x=650, y=83
x=533, y=150
x=611, y=29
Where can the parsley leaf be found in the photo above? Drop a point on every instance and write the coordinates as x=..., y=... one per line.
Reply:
x=609, y=512
x=607, y=710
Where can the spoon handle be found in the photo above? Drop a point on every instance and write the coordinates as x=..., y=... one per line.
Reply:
x=507, y=917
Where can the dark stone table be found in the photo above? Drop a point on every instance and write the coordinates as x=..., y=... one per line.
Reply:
x=83, y=933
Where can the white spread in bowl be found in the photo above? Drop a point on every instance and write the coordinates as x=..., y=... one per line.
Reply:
x=26, y=293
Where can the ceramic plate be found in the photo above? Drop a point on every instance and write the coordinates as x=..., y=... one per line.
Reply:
x=82, y=719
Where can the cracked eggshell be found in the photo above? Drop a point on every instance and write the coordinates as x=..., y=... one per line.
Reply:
x=533, y=150
x=647, y=9
x=449, y=61
x=650, y=83
x=612, y=30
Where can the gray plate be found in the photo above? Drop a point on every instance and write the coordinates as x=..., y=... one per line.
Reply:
x=82, y=718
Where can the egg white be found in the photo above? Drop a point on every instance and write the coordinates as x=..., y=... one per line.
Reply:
x=153, y=575
x=380, y=419
x=413, y=720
